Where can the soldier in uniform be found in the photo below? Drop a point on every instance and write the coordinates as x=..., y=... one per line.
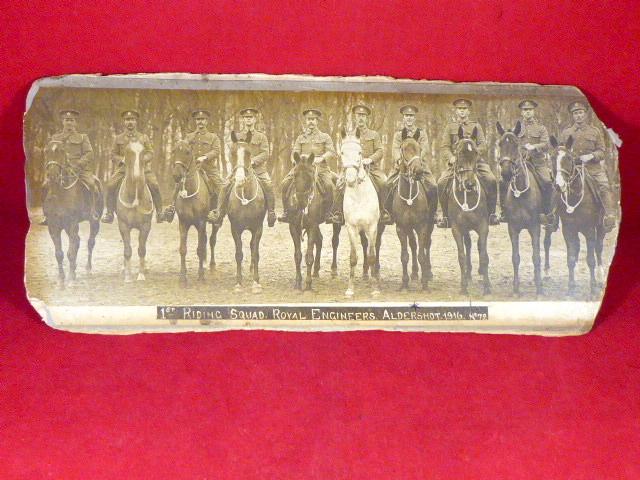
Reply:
x=78, y=154
x=534, y=142
x=131, y=134
x=409, y=129
x=447, y=152
x=588, y=146
x=371, y=157
x=312, y=140
x=205, y=148
x=259, y=148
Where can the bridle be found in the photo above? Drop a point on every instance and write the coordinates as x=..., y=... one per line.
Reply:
x=244, y=201
x=358, y=165
x=136, y=200
x=66, y=171
x=518, y=166
x=183, y=193
x=577, y=172
x=458, y=184
x=309, y=193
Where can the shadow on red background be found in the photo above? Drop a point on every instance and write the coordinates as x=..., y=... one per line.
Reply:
x=339, y=405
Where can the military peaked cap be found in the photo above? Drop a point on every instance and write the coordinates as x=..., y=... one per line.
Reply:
x=462, y=102
x=527, y=104
x=409, y=109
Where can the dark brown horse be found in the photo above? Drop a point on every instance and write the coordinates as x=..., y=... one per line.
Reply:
x=247, y=209
x=192, y=207
x=580, y=213
x=523, y=204
x=67, y=203
x=413, y=213
x=308, y=212
x=468, y=211
x=134, y=207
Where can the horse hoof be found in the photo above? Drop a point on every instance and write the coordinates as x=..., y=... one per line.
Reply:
x=486, y=291
x=141, y=277
x=334, y=272
x=316, y=275
x=414, y=276
x=237, y=288
x=365, y=276
x=71, y=283
x=128, y=280
x=256, y=288
x=464, y=291
x=425, y=287
x=348, y=293
x=403, y=288
x=201, y=277
x=375, y=293
x=183, y=281
x=212, y=267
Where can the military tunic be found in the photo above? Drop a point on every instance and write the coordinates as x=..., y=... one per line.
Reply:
x=534, y=133
x=321, y=145
x=207, y=144
x=587, y=139
x=78, y=153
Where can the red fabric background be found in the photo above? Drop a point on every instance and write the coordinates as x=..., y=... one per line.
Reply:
x=322, y=405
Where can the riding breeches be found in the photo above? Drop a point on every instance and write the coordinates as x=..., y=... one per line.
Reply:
x=486, y=178
x=604, y=189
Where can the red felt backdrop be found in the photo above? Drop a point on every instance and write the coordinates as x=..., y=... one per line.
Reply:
x=322, y=405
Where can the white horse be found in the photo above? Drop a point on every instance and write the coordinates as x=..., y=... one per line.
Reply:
x=361, y=207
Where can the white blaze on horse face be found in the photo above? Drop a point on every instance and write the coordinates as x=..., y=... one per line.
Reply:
x=240, y=173
x=136, y=148
x=559, y=178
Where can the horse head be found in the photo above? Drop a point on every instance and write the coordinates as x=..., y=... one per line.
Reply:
x=303, y=179
x=135, y=158
x=563, y=164
x=241, y=157
x=55, y=163
x=466, y=152
x=409, y=156
x=182, y=160
x=351, y=157
x=509, y=148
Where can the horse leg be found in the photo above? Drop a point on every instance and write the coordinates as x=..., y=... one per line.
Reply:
x=404, y=256
x=459, y=237
x=427, y=249
x=335, y=241
x=316, y=262
x=535, y=257
x=184, y=235
x=547, y=249
x=591, y=262
x=125, y=233
x=94, y=228
x=466, y=238
x=483, y=236
x=143, y=234
x=237, y=238
x=422, y=255
x=294, y=231
x=212, y=246
x=514, y=235
x=599, y=247
x=72, y=253
x=572, y=242
x=255, y=259
x=308, y=257
x=414, y=254
x=378, y=243
x=372, y=257
x=365, y=255
x=202, y=248
x=353, y=259
x=56, y=236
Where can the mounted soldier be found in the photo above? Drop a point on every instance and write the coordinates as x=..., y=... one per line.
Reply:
x=588, y=146
x=78, y=155
x=410, y=130
x=131, y=134
x=533, y=139
x=258, y=146
x=205, y=151
x=312, y=141
x=371, y=157
x=447, y=148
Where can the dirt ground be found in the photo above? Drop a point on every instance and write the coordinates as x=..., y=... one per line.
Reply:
x=277, y=272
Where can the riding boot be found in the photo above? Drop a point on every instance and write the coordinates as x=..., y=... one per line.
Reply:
x=387, y=203
x=609, y=220
x=217, y=216
x=491, y=191
x=547, y=216
x=111, y=203
x=503, y=186
x=157, y=202
x=336, y=216
x=385, y=216
x=170, y=211
x=328, y=201
x=443, y=197
x=270, y=201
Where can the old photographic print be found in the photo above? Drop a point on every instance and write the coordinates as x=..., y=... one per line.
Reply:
x=193, y=202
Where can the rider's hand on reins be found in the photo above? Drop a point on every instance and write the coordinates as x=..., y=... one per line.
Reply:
x=586, y=158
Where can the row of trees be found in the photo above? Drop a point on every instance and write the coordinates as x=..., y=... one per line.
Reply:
x=166, y=118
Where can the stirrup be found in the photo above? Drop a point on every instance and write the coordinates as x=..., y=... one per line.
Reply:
x=494, y=220
x=443, y=223
x=107, y=217
x=284, y=218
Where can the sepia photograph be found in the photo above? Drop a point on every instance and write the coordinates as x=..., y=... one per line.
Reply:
x=260, y=198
